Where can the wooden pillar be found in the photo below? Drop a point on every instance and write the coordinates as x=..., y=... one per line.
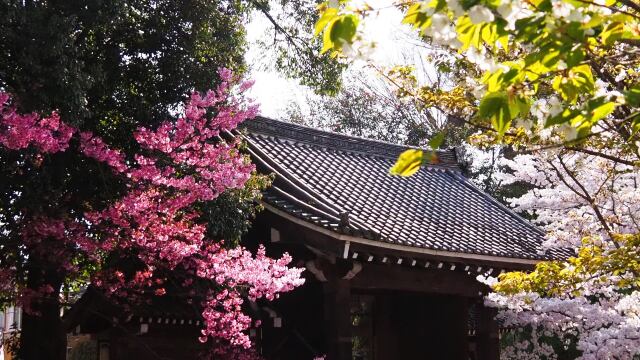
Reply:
x=488, y=335
x=337, y=305
x=460, y=317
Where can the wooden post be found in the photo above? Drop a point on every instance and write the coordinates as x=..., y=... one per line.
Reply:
x=488, y=335
x=337, y=305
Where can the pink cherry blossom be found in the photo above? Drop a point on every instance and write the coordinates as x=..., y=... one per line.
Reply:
x=18, y=131
x=182, y=164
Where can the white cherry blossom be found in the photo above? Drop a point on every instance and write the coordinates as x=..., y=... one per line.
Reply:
x=480, y=14
x=455, y=7
x=512, y=11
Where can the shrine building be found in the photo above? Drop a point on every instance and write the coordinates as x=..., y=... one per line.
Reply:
x=391, y=261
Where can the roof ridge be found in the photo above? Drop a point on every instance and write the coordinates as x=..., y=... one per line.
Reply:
x=348, y=143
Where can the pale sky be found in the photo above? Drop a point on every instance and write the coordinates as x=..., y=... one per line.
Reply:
x=395, y=45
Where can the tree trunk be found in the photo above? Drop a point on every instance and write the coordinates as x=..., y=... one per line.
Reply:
x=42, y=335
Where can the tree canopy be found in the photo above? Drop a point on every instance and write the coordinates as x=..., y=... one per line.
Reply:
x=558, y=81
x=151, y=238
x=78, y=80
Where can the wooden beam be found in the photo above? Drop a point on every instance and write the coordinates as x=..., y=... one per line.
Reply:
x=356, y=267
x=405, y=278
x=312, y=266
x=349, y=241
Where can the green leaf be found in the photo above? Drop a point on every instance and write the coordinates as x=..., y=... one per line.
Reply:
x=542, y=5
x=635, y=124
x=512, y=75
x=436, y=140
x=535, y=70
x=469, y=34
x=416, y=17
x=504, y=41
x=584, y=118
x=578, y=81
x=601, y=111
x=519, y=106
x=595, y=20
x=598, y=109
x=327, y=43
x=632, y=96
x=568, y=115
x=575, y=56
x=494, y=80
x=343, y=30
x=575, y=32
x=612, y=33
x=408, y=163
x=328, y=15
x=551, y=58
x=466, y=4
x=495, y=107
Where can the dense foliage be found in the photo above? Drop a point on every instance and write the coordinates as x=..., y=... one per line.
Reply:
x=110, y=66
x=558, y=81
x=154, y=233
x=290, y=48
x=108, y=69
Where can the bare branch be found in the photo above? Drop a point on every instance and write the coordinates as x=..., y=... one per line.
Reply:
x=602, y=155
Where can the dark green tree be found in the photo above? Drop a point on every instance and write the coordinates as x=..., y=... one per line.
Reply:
x=290, y=47
x=110, y=66
x=107, y=67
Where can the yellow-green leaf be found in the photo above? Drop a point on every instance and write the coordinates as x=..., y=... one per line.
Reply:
x=408, y=163
x=343, y=29
x=469, y=34
x=602, y=111
x=635, y=124
x=496, y=107
x=436, y=140
x=578, y=81
x=612, y=33
x=327, y=16
x=415, y=16
x=632, y=96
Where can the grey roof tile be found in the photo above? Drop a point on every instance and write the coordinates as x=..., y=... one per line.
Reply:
x=343, y=183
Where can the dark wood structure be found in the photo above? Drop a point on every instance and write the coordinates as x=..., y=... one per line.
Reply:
x=391, y=262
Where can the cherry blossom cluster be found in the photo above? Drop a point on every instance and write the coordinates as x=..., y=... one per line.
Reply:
x=263, y=276
x=578, y=195
x=19, y=131
x=94, y=147
x=607, y=328
x=182, y=164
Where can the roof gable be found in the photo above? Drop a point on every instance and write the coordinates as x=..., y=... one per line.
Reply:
x=343, y=184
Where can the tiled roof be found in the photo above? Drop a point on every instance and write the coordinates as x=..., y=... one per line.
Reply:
x=343, y=184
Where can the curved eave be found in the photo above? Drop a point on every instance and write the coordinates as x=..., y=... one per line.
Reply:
x=442, y=254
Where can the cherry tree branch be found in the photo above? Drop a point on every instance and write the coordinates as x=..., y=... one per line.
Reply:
x=602, y=155
x=585, y=195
